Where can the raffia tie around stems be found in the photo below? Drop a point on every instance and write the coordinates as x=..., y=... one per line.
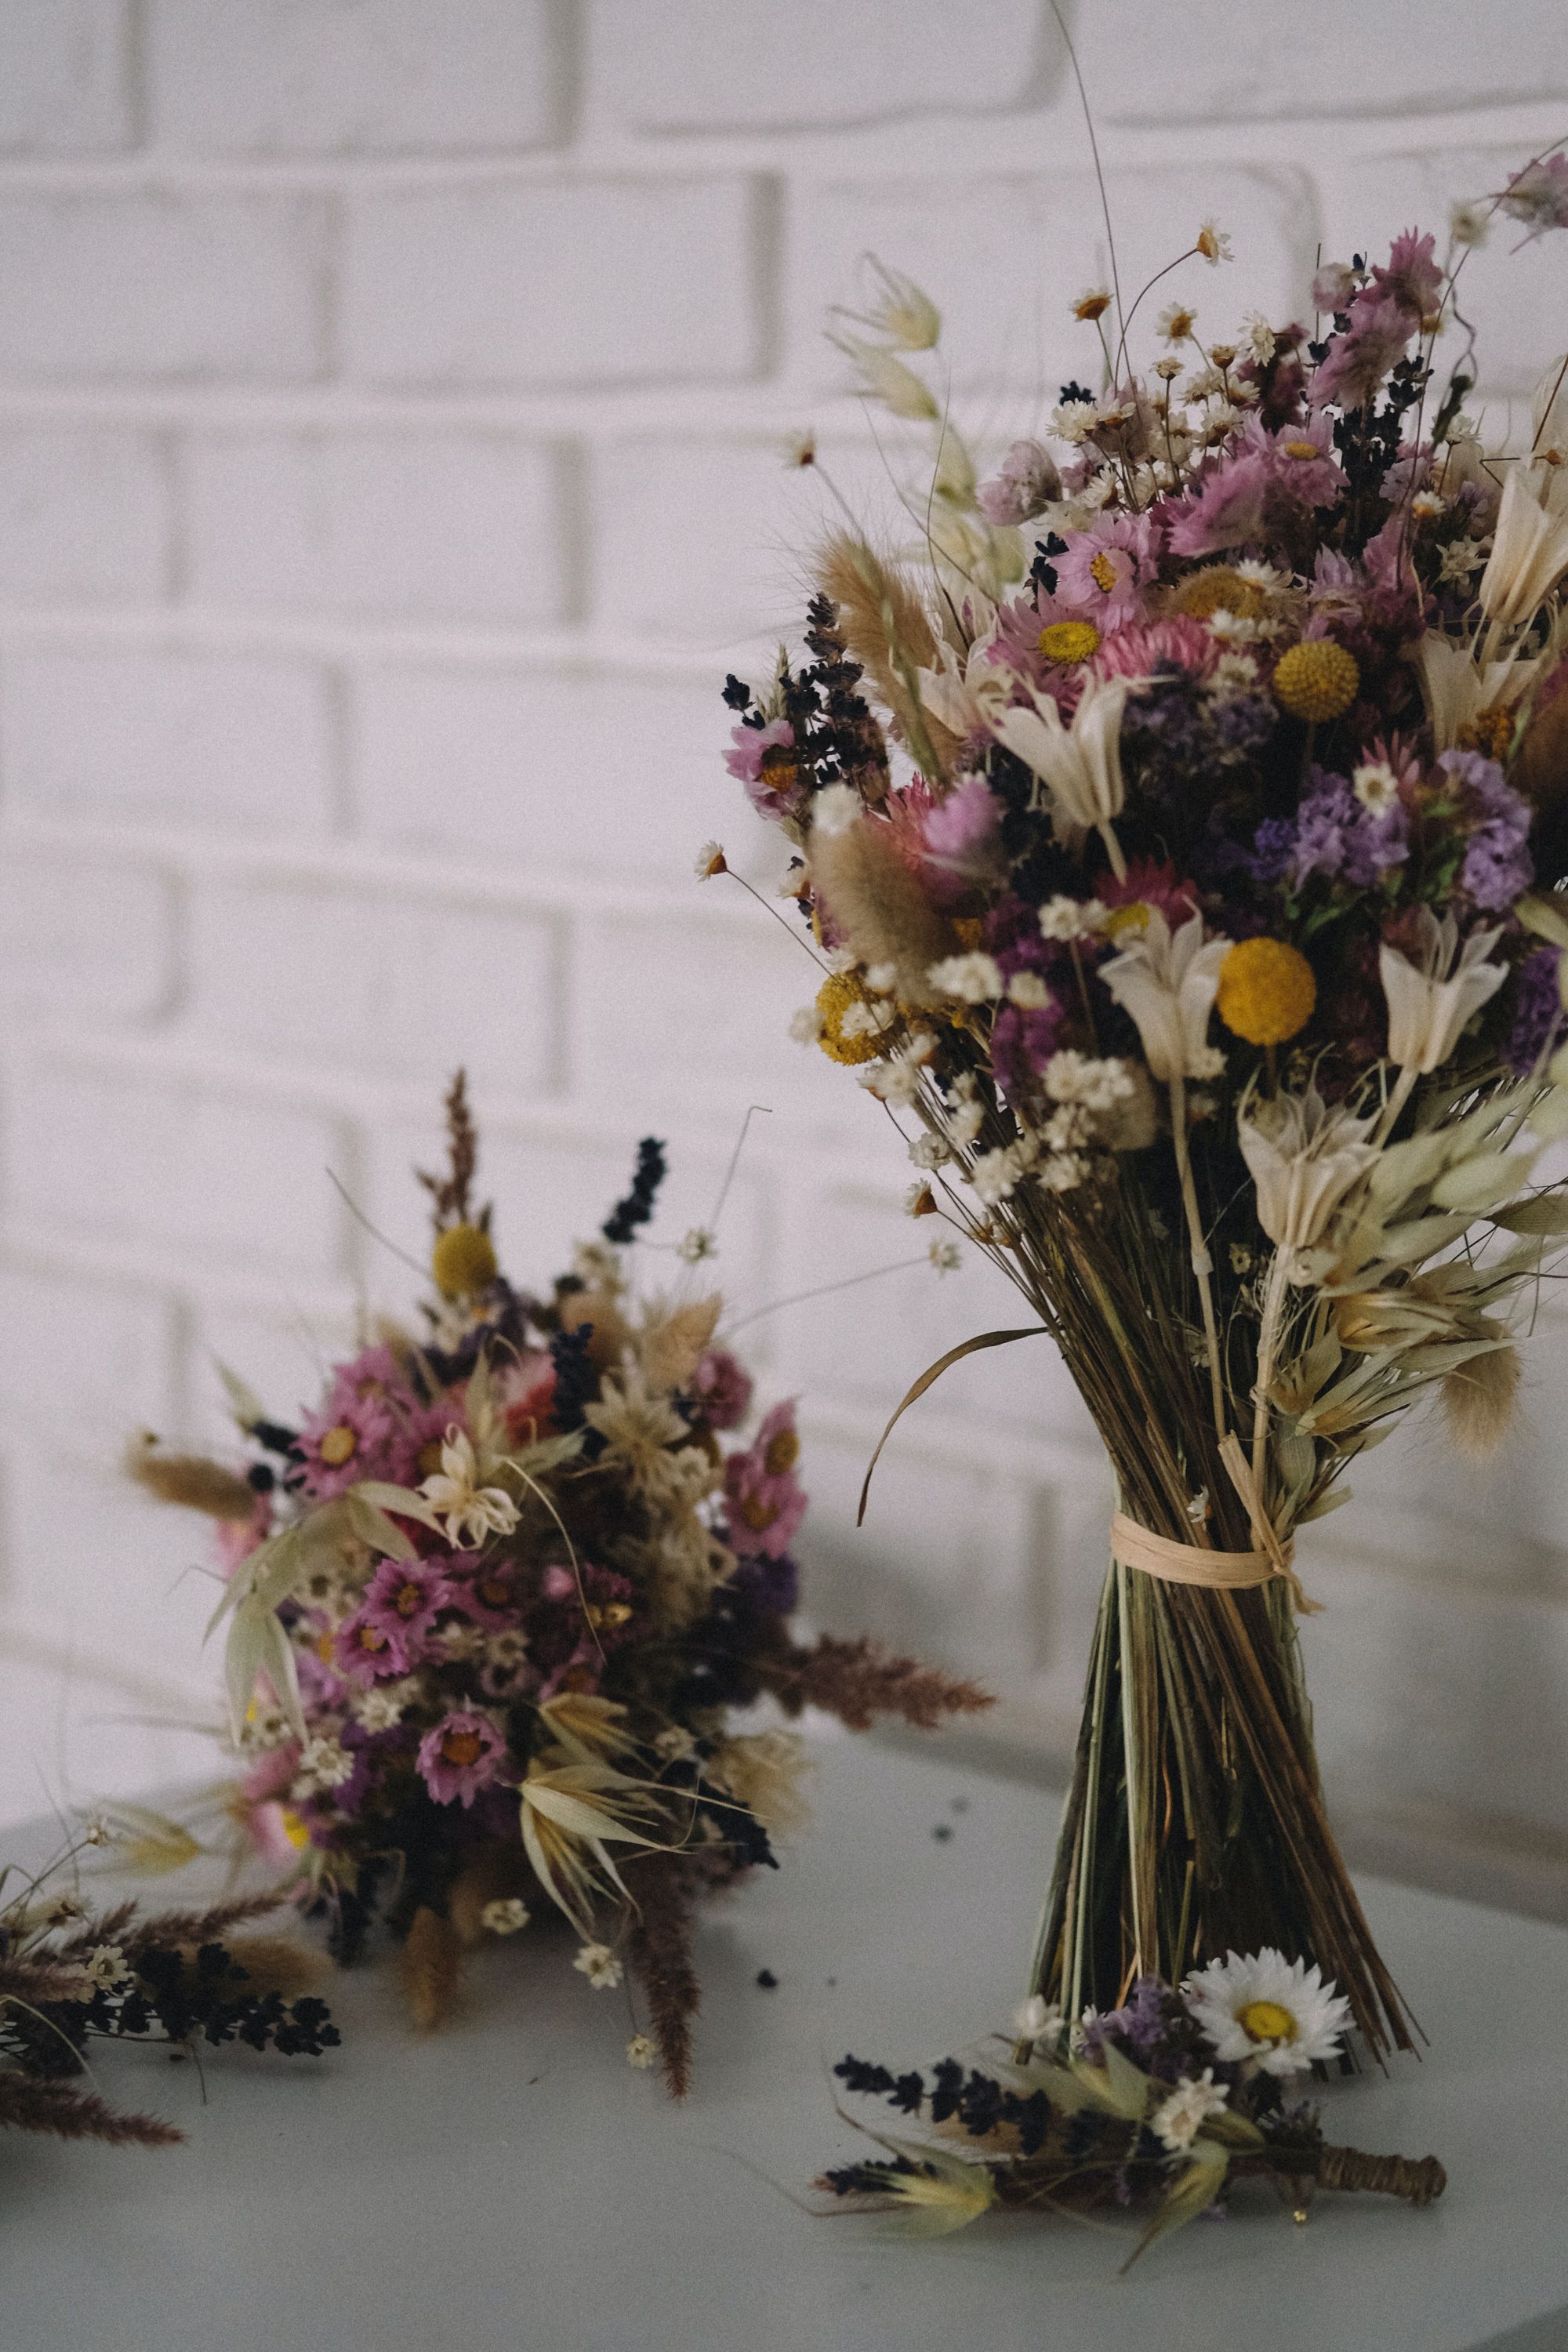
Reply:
x=1185, y=1563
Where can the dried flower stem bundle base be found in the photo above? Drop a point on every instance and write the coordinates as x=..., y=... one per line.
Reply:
x=491, y=1607
x=1182, y=825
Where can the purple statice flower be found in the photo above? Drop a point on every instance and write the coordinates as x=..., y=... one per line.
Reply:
x=722, y=1387
x=766, y=1501
x=1273, y=851
x=404, y=1599
x=961, y=834
x=771, y=1585
x=463, y=1754
x=1022, y=486
x=1538, y=196
x=1537, y=1013
x=1498, y=866
x=1023, y=1040
x=1337, y=838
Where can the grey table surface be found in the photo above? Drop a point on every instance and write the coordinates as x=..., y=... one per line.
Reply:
x=513, y=2183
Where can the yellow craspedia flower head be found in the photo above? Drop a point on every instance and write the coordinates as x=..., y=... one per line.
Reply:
x=1217, y=588
x=463, y=1261
x=1266, y=991
x=1317, y=679
x=1069, y=641
x=838, y=994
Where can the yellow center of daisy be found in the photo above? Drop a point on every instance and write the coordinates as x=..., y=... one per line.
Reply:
x=1266, y=991
x=757, y=1512
x=465, y=1748
x=1134, y=916
x=1317, y=679
x=1104, y=572
x=463, y=1261
x=609, y=1616
x=1069, y=641
x=409, y=1596
x=371, y=1637
x=1302, y=451
x=783, y=1453
x=1265, y=2020
x=293, y=1827
x=338, y=1445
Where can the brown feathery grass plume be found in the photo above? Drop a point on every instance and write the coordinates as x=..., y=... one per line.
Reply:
x=878, y=906
x=33, y=2105
x=450, y=1195
x=276, y=1964
x=190, y=1479
x=885, y=627
x=430, y=1967
x=168, y=1930
x=493, y=1875
x=1479, y=1400
x=673, y=1344
x=857, y=1680
x=658, y=1946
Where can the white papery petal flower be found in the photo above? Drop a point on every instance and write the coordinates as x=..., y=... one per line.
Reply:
x=1168, y=983
x=1079, y=765
x=1530, y=546
x=1261, y=2007
x=453, y=1492
x=1178, y=2122
x=1303, y=1158
x=1456, y=688
x=1430, y=1002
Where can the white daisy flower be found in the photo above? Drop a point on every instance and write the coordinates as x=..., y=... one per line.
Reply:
x=1263, y=2006
x=1190, y=2105
x=506, y=1915
x=640, y=2050
x=600, y=1966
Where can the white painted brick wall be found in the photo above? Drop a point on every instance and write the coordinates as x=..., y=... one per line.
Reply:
x=391, y=398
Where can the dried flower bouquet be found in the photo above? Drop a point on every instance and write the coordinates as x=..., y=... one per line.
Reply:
x=1179, y=831
x=492, y=1604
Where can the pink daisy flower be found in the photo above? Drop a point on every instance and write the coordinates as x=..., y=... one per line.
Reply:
x=767, y=1502
x=404, y=1599
x=463, y=1754
x=1108, y=567
x=771, y=784
x=344, y=1442
x=365, y=1651
x=1138, y=649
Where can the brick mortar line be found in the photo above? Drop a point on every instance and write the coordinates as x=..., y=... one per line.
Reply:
x=935, y=145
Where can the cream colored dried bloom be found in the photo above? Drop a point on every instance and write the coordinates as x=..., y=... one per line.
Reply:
x=887, y=379
x=505, y=1916
x=1167, y=982
x=762, y=1770
x=1079, y=765
x=973, y=979
x=1177, y=2122
x=1303, y=1158
x=1530, y=546
x=1456, y=688
x=1430, y=1001
x=453, y=1492
x=600, y=1966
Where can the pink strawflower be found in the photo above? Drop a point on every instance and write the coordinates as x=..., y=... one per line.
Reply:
x=767, y=1502
x=1149, y=882
x=1301, y=458
x=962, y=833
x=1538, y=196
x=1230, y=509
x=365, y=1650
x=463, y=1754
x=1022, y=486
x=1357, y=361
x=1108, y=567
x=1411, y=274
x=404, y=1598
x=722, y=1387
x=1334, y=288
x=1140, y=649
x=346, y=1441
x=748, y=761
